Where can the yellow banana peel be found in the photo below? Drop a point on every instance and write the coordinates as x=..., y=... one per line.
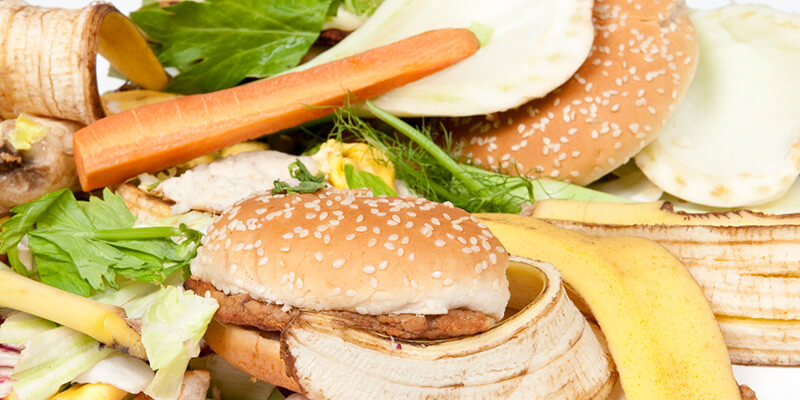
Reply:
x=660, y=329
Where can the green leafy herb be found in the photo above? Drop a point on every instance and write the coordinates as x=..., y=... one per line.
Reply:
x=81, y=246
x=217, y=44
x=429, y=170
x=309, y=183
x=364, y=179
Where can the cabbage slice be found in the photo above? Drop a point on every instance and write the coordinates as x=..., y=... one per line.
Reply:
x=121, y=371
x=533, y=47
x=53, y=358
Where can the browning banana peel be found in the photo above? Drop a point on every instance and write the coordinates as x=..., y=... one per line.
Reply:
x=747, y=263
x=546, y=350
x=58, y=77
x=660, y=329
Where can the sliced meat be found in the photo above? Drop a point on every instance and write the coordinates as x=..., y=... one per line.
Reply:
x=241, y=309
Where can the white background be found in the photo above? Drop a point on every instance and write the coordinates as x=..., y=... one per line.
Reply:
x=769, y=383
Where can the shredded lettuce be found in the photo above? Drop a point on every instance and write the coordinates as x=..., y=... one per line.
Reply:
x=171, y=332
x=173, y=322
x=51, y=359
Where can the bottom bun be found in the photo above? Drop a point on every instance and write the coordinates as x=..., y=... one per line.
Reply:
x=251, y=352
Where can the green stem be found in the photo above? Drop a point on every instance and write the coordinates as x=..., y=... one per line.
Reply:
x=440, y=155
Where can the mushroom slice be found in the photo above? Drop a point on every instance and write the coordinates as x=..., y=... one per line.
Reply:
x=735, y=139
x=47, y=166
x=547, y=350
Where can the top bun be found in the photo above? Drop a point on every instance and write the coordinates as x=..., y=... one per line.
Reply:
x=343, y=251
x=642, y=61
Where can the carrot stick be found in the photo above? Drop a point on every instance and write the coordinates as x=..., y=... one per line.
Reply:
x=158, y=136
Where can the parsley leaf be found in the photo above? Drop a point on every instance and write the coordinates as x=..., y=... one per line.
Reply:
x=216, y=44
x=309, y=183
x=364, y=179
x=82, y=246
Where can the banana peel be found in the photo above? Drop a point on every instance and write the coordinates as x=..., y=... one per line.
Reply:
x=746, y=262
x=60, y=46
x=545, y=350
x=103, y=322
x=117, y=102
x=660, y=330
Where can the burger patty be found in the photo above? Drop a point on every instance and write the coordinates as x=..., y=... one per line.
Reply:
x=241, y=309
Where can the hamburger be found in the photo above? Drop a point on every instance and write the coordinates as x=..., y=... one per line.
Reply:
x=401, y=267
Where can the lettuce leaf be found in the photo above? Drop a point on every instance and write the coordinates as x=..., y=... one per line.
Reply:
x=171, y=332
x=217, y=44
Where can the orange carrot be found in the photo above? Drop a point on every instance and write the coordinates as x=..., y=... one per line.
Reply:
x=158, y=136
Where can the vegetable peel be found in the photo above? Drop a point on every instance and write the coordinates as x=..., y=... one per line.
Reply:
x=535, y=46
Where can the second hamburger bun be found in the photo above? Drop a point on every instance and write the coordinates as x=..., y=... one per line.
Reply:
x=252, y=351
x=642, y=61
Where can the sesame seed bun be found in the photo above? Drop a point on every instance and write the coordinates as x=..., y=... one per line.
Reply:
x=343, y=251
x=642, y=61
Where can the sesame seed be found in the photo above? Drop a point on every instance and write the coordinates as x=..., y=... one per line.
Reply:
x=350, y=293
x=284, y=249
x=318, y=256
x=288, y=236
x=350, y=236
x=336, y=291
x=338, y=263
x=447, y=282
x=361, y=229
x=372, y=242
x=373, y=282
x=263, y=261
x=440, y=243
x=368, y=269
x=389, y=245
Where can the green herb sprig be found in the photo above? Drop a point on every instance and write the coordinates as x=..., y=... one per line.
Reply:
x=309, y=183
x=82, y=246
x=428, y=170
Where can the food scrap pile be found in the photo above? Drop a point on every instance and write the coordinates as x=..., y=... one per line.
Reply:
x=381, y=199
